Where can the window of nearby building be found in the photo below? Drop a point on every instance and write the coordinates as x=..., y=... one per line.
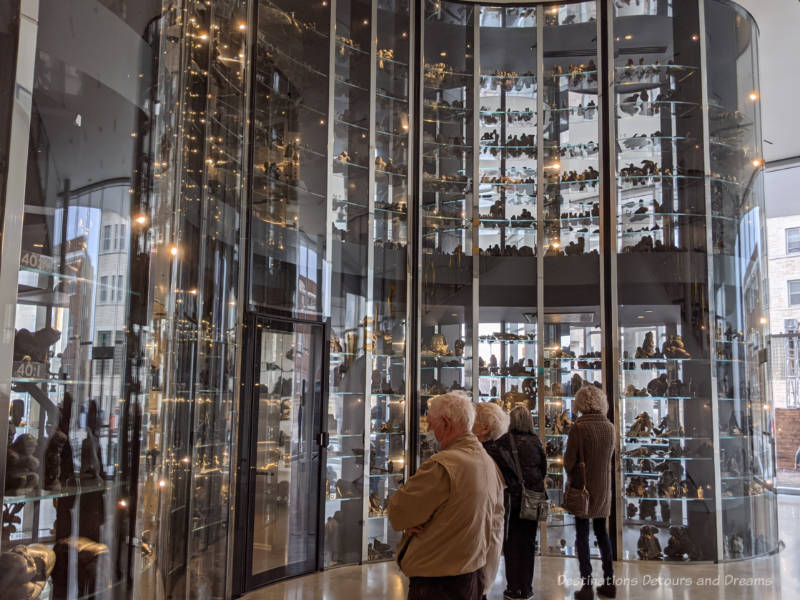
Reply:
x=792, y=240
x=106, y=237
x=120, y=243
x=118, y=286
x=104, y=289
x=103, y=338
x=794, y=292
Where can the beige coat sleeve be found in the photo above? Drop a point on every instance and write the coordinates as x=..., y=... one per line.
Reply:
x=495, y=537
x=416, y=501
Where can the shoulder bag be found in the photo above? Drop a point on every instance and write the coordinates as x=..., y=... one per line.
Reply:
x=534, y=506
x=576, y=496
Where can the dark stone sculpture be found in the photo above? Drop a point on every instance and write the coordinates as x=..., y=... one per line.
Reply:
x=34, y=346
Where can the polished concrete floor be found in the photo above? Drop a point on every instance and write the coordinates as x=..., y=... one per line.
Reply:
x=766, y=578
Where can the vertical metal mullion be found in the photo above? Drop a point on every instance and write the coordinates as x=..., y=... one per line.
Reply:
x=540, y=187
x=416, y=56
x=171, y=231
x=411, y=215
x=540, y=248
x=242, y=287
x=16, y=181
x=326, y=309
x=200, y=265
x=476, y=186
x=369, y=313
x=712, y=308
x=609, y=297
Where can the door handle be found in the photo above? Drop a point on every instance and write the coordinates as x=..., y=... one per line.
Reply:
x=323, y=439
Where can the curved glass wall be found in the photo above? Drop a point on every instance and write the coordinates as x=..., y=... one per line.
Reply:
x=634, y=263
x=120, y=295
x=739, y=284
x=665, y=416
x=329, y=234
x=580, y=210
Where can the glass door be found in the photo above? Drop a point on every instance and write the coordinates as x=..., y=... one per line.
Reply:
x=283, y=450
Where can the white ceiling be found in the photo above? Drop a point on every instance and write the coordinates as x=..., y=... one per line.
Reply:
x=779, y=22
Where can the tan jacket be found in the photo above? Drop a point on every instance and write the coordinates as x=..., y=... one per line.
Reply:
x=457, y=495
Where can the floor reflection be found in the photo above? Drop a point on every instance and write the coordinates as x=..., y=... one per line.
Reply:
x=769, y=578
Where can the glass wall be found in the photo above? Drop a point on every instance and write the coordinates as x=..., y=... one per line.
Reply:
x=328, y=237
x=161, y=186
x=125, y=308
x=695, y=420
x=80, y=141
x=740, y=285
x=447, y=206
x=666, y=420
x=572, y=339
x=654, y=293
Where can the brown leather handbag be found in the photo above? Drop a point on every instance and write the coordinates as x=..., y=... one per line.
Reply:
x=576, y=496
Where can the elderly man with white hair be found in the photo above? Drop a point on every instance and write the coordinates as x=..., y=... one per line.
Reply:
x=450, y=509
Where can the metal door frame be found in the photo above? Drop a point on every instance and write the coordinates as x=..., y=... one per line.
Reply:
x=243, y=578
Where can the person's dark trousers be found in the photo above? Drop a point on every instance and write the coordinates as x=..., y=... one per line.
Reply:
x=519, y=551
x=468, y=586
x=582, y=546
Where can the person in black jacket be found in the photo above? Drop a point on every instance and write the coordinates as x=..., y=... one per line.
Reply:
x=491, y=423
x=519, y=548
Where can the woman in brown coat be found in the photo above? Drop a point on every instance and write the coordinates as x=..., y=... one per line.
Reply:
x=592, y=434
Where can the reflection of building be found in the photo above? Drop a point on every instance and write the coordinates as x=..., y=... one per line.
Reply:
x=783, y=238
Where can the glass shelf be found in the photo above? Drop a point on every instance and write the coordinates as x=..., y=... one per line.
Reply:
x=53, y=495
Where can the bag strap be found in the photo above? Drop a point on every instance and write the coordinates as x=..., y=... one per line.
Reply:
x=581, y=464
x=404, y=549
x=516, y=465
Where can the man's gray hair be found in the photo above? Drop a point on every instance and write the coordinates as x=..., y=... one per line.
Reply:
x=489, y=414
x=591, y=399
x=456, y=406
x=521, y=420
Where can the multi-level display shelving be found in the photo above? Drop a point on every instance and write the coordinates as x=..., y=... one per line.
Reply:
x=333, y=151
x=529, y=199
x=534, y=281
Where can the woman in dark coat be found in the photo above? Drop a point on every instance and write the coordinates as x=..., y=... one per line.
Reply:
x=593, y=433
x=519, y=548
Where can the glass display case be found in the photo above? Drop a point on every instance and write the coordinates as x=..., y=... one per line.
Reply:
x=447, y=248
x=745, y=422
x=665, y=410
x=572, y=333
x=694, y=419
x=69, y=449
x=330, y=234
x=120, y=288
x=510, y=276
x=509, y=200
x=633, y=263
